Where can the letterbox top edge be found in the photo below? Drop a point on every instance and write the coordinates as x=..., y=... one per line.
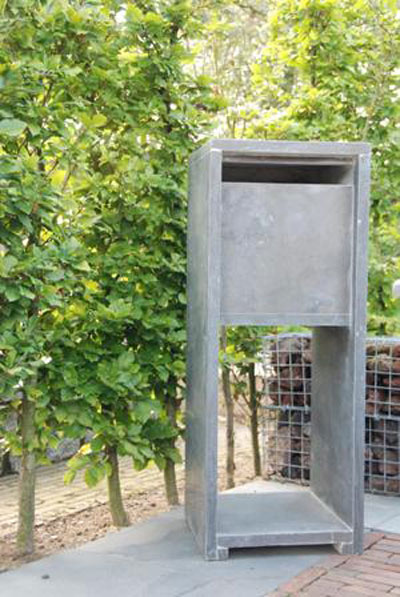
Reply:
x=283, y=148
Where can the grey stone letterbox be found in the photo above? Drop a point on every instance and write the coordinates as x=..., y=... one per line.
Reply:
x=278, y=236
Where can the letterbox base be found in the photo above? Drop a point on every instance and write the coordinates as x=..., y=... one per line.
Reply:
x=295, y=517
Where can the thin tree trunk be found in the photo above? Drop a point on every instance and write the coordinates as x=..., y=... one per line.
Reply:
x=171, y=488
x=254, y=420
x=6, y=464
x=119, y=517
x=27, y=481
x=230, y=429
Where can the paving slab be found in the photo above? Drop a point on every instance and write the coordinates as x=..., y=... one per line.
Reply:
x=157, y=558
x=382, y=512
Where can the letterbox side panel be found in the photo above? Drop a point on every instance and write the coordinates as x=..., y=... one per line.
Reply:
x=202, y=350
x=333, y=421
x=286, y=253
x=360, y=284
x=338, y=388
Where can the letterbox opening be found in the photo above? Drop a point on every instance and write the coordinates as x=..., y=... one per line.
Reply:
x=289, y=171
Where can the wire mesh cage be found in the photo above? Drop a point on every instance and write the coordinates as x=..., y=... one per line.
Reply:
x=286, y=408
x=382, y=454
x=286, y=411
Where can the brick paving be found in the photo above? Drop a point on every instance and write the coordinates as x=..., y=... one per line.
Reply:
x=375, y=573
x=55, y=499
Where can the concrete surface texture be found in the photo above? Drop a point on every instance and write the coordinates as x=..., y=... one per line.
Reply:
x=158, y=558
x=382, y=513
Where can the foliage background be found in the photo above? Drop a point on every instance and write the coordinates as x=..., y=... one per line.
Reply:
x=101, y=104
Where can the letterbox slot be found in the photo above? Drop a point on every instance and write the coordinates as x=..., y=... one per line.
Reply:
x=289, y=172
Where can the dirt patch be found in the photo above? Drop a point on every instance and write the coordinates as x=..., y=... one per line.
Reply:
x=87, y=525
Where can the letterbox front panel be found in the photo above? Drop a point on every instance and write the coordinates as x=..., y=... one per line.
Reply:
x=286, y=254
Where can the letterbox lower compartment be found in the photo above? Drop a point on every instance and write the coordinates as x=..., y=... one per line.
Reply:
x=290, y=517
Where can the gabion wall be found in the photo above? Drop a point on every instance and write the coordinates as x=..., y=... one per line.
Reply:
x=286, y=411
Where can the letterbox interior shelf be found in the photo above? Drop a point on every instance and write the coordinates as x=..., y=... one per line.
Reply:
x=272, y=518
x=277, y=235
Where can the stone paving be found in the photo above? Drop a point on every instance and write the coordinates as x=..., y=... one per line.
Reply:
x=157, y=558
x=375, y=573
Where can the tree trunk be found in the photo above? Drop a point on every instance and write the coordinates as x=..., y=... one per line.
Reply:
x=230, y=429
x=118, y=514
x=254, y=420
x=171, y=488
x=27, y=481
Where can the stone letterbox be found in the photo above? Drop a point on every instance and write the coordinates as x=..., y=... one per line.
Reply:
x=278, y=236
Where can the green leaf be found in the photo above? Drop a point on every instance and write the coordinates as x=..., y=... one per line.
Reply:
x=160, y=461
x=53, y=440
x=34, y=129
x=69, y=476
x=83, y=266
x=143, y=411
x=25, y=221
x=97, y=444
x=26, y=293
x=12, y=293
x=131, y=449
x=134, y=429
x=9, y=167
x=12, y=127
x=85, y=419
x=174, y=455
x=98, y=120
x=147, y=452
x=70, y=375
x=92, y=476
x=25, y=206
x=7, y=264
x=160, y=430
x=56, y=275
